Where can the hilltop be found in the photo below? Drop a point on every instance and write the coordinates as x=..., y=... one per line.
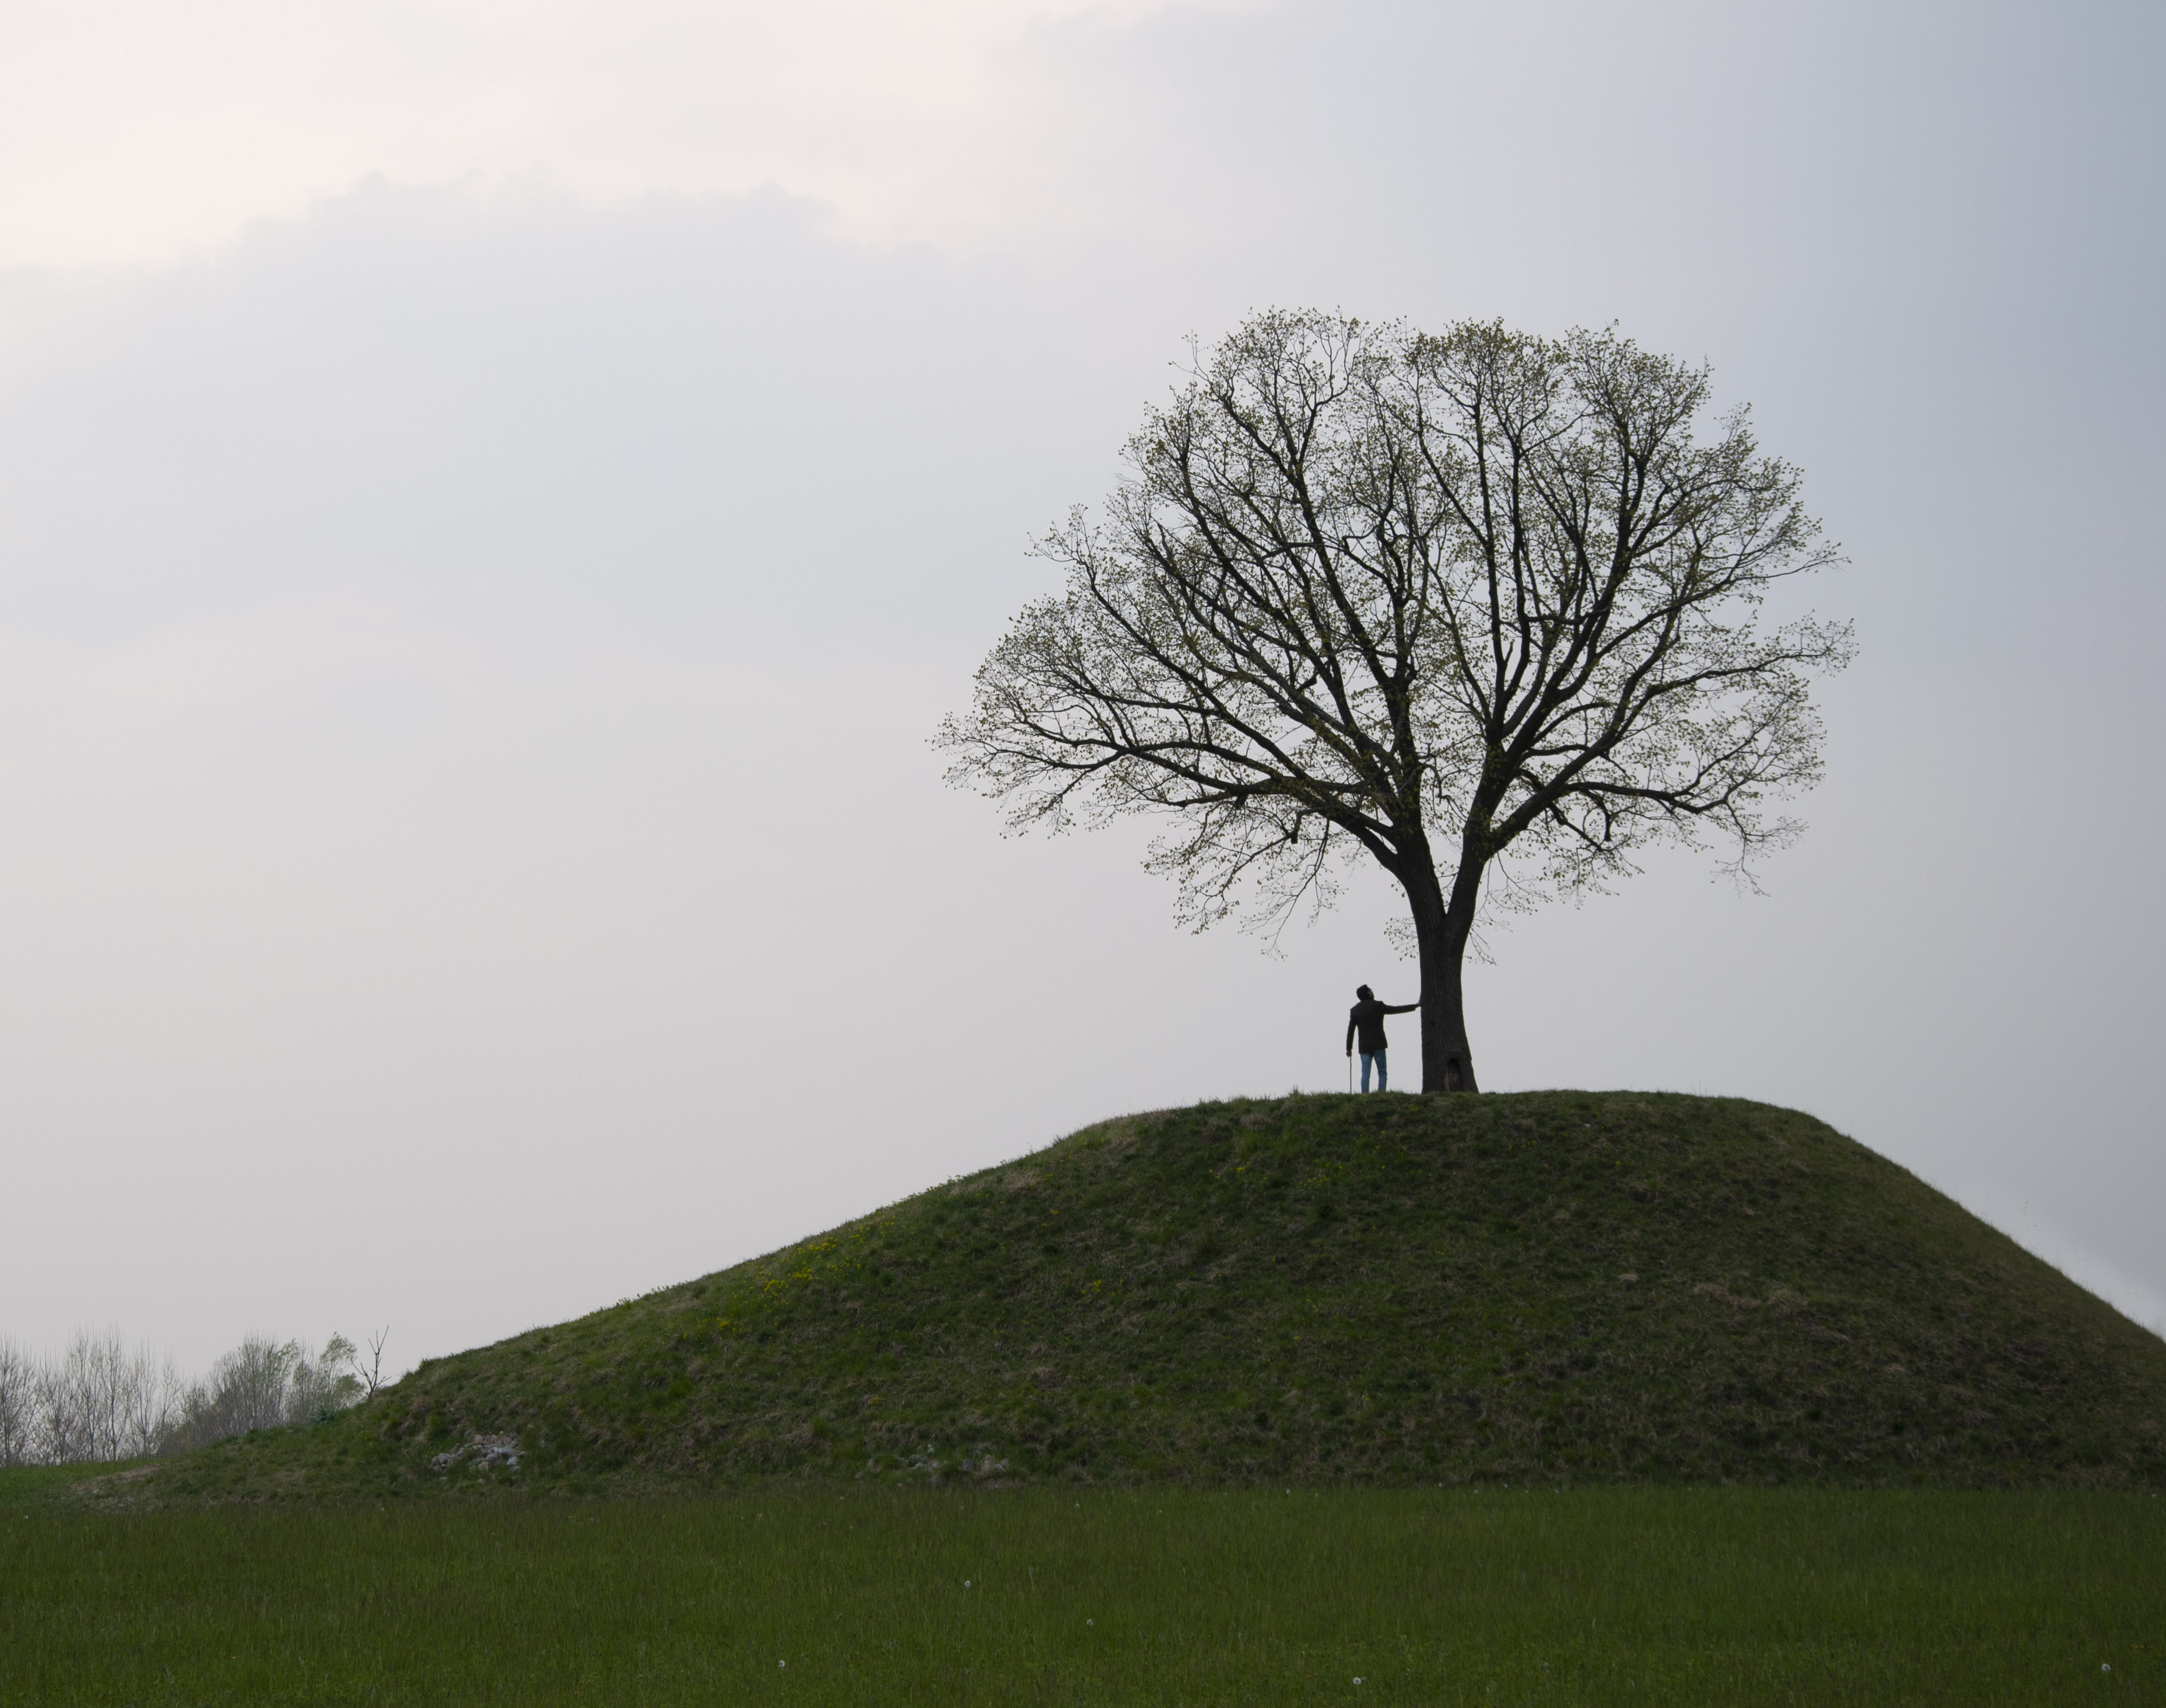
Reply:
x=1555, y=1287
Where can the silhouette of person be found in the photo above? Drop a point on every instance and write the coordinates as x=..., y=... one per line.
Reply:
x=1366, y=1020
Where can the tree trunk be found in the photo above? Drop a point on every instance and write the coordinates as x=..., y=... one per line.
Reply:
x=1440, y=934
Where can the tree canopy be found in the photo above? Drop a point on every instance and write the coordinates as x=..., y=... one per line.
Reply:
x=1435, y=597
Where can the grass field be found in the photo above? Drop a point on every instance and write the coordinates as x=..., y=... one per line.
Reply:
x=1045, y=1595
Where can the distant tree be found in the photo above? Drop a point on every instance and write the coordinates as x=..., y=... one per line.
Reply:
x=18, y=1405
x=118, y=1398
x=324, y=1384
x=369, y=1376
x=1437, y=598
x=99, y=1400
x=263, y=1384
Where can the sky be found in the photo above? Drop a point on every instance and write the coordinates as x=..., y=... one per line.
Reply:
x=495, y=500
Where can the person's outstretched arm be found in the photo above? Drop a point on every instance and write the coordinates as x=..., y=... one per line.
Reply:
x=1404, y=1007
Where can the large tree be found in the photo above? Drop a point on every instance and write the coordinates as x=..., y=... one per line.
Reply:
x=1446, y=598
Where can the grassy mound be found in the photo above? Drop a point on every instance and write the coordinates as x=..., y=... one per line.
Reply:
x=1557, y=1287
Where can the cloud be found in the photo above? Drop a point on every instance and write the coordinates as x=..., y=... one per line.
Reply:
x=137, y=131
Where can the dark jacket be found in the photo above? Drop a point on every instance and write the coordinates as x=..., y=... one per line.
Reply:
x=1367, y=1019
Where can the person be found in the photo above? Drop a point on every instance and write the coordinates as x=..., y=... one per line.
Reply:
x=1366, y=1020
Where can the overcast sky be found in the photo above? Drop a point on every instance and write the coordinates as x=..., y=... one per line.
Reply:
x=494, y=500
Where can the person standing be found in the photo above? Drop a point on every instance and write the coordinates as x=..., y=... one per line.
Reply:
x=1365, y=1021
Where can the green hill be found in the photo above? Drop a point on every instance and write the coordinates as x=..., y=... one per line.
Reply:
x=1552, y=1287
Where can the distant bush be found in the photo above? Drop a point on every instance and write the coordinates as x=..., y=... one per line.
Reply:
x=100, y=1401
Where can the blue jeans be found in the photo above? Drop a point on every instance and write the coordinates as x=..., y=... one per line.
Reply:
x=1382, y=1079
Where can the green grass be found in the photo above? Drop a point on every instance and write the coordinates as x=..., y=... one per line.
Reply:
x=1050, y=1595
x=1564, y=1287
